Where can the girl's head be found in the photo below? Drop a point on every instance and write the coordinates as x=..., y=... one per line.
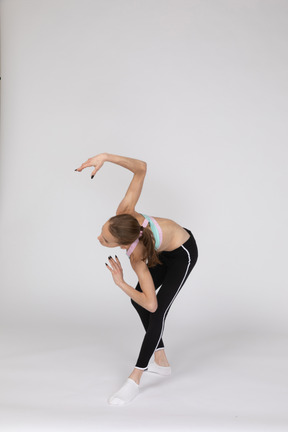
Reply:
x=123, y=230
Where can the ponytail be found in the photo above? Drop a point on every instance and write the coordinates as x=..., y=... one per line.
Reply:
x=148, y=241
x=127, y=229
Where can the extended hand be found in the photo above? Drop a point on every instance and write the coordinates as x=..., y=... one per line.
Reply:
x=96, y=161
x=116, y=270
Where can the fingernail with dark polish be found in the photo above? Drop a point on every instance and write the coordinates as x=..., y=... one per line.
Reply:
x=106, y=264
x=92, y=177
x=116, y=256
x=76, y=169
x=109, y=257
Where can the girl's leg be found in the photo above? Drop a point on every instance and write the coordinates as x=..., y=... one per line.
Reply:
x=144, y=315
x=130, y=389
x=179, y=267
x=158, y=275
x=160, y=358
x=175, y=278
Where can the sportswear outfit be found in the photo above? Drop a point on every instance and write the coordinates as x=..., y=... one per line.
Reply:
x=170, y=276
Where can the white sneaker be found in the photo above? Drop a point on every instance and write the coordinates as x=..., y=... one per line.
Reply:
x=160, y=370
x=125, y=394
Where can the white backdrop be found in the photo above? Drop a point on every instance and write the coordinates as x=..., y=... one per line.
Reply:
x=197, y=89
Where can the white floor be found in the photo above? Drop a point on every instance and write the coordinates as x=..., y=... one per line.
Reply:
x=60, y=381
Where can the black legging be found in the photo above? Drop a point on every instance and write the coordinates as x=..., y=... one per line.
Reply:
x=171, y=276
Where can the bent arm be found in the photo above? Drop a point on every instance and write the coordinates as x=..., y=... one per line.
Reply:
x=134, y=165
x=148, y=294
x=139, y=168
x=139, y=297
x=147, y=298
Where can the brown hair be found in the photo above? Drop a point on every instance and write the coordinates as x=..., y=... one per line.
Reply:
x=127, y=229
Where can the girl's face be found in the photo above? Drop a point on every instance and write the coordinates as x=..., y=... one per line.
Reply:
x=107, y=239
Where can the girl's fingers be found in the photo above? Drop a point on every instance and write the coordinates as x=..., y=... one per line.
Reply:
x=112, y=262
x=109, y=268
x=87, y=165
x=84, y=165
x=94, y=171
x=115, y=264
x=118, y=262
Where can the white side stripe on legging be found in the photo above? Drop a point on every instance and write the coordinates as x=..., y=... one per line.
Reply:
x=180, y=286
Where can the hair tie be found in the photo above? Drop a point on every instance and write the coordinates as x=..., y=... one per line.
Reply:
x=141, y=231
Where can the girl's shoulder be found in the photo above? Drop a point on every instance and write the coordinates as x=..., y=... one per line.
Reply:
x=140, y=217
x=137, y=255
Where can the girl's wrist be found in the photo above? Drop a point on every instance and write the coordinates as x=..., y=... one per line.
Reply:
x=105, y=157
x=121, y=284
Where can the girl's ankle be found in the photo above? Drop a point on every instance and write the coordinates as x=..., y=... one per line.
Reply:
x=163, y=363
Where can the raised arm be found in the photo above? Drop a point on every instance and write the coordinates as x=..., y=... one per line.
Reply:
x=138, y=167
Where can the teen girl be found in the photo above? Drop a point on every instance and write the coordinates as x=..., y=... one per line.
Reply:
x=162, y=254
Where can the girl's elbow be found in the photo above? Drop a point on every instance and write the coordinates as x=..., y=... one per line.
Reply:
x=143, y=167
x=153, y=307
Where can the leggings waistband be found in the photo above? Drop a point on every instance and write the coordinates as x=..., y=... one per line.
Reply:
x=189, y=244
